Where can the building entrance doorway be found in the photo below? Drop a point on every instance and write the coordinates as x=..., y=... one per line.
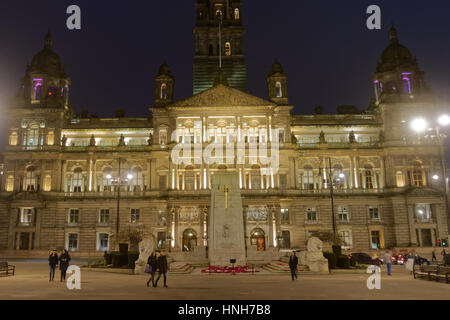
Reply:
x=189, y=240
x=258, y=239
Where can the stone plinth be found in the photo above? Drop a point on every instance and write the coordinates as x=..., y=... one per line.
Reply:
x=226, y=223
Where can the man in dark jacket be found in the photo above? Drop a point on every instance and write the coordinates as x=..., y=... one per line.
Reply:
x=293, y=265
x=53, y=262
x=64, y=264
x=163, y=267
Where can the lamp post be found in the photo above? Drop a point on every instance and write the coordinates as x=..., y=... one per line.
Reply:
x=118, y=183
x=420, y=125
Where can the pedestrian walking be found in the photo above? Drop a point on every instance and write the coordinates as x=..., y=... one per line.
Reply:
x=293, y=265
x=433, y=256
x=64, y=261
x=152, y=265
x=162, y=268
x=444, y=253
x=53, y=263
x=388, y=260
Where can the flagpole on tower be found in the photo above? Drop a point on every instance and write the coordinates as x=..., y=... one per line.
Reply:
x=220, y=39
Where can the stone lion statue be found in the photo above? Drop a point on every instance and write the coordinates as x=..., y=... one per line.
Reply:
x=313, y=256
x=314, y=244
x=146, y=247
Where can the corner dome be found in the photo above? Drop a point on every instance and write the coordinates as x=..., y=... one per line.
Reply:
x=47, y=61
x=164, y=70
x=276, y=68
x=395, y=55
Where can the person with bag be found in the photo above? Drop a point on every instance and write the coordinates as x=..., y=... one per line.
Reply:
x=163, y=268
x=64, y=260
x=151, y=268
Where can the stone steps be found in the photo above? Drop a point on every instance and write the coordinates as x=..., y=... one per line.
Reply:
x=181, y=268
x=281, y=267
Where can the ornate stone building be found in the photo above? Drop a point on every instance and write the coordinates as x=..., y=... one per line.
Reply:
x=72, y=181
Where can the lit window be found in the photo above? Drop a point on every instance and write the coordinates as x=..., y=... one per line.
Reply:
x=163, y=91
x=77, y=182
x=30, y=179
x=308, y=178
x=135, y=216
x=10, y=184
x=423, y=212
x=103, y=242
x=228, y=49
x=400, y=179
x=31, y=137
x=279, y=91
x=51, y=138
x=26, y=216
x=47, y=183
x=13, y=139
x=163, y=137
x=38, y=88
x=236, y=14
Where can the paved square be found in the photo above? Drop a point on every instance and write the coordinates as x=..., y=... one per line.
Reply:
x=31, y=282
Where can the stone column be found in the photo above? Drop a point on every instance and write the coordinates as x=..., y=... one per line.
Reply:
x=351, y=178
x=382, y=173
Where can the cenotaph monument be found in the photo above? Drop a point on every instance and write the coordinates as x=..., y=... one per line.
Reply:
x=226, y=223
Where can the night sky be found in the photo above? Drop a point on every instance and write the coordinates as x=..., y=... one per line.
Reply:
x=324, y=46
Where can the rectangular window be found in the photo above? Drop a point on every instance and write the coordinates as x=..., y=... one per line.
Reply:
x=104, y=216
x=103, y=242
x=162, y=183
x=74, y=216
x=73, y=242
x=376, y=240
x=423, y=212
x=311, y=214
x=344, y=236
x=163, y=137
x=26, y=216
x=135, y=215
x=285, y=217
x=374, y=213
x=343, y=214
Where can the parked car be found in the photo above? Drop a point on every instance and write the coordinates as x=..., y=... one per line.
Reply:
x=363, y=258
x=399, y=259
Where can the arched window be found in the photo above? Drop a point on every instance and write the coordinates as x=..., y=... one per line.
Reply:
x=137, y=180
x=258, y=239
x=400, y=179
x=163, y=91
x=218, y=14
x=13, y=139
x=406, y=82
x=338, y=176
x=368, y=174
x=31, y=137
x=107, y=179
x=189, y=240
x=47, y=183
x=77, y=180
x=236, y=14
x=228, y=49
x=417, y=177
x=278, y=89
x=308, y=178
x=38, y=85
x=30, y=179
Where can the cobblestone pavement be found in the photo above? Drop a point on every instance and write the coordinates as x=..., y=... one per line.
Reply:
x=31, y=282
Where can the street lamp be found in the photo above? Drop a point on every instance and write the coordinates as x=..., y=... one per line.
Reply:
x=420, y=125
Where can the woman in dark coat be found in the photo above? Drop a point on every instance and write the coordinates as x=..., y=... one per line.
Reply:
x=152, y=263
x=53, y=262
x=64, y=260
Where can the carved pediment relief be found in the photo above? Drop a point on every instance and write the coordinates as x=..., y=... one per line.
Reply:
x=416, y=192
x=221, y=96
